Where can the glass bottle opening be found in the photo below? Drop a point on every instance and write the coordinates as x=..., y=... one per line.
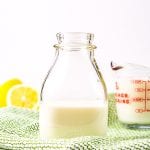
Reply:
x=75, y=40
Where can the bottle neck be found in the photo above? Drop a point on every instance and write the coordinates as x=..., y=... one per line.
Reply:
x=75, y=41
x=74, y=47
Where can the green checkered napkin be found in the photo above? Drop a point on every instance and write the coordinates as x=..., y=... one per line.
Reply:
x=19, y=130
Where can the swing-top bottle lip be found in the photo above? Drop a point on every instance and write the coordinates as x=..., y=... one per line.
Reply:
x=76, y=40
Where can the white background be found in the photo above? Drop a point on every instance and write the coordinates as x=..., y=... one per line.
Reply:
x=28, y=28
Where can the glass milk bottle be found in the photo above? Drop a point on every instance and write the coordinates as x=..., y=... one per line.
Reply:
x=73, y=95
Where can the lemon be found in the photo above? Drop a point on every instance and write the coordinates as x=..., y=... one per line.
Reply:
x=36, y=107
x=5, y=87
x=22, y=96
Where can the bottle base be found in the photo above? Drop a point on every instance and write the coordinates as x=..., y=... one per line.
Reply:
x=136, y=126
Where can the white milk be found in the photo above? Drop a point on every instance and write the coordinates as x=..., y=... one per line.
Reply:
x=133, y=101
x=65, y=119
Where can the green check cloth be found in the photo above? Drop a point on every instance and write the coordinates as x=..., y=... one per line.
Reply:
x=19, y=130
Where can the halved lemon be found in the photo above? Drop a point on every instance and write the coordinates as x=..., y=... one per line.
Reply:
x=22, y=96
x=5, y=87
x=36, y=106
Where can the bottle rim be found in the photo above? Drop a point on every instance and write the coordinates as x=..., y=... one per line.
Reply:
x=76, y=40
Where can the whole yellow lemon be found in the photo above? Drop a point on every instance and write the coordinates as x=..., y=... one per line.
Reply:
x=5, y=87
